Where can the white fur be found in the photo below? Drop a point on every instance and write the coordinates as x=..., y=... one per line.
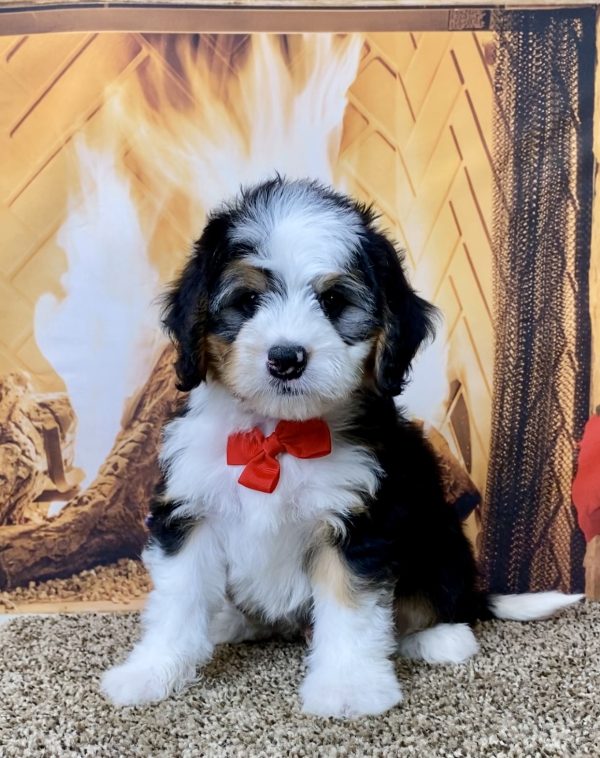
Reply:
x=299, y=237
x=258, y=540
x=334, y=368
x=299, y=233
x=268, y=574
x=350, y=673
x=309, y=491
x=443, y=643
x=230, y=625
x=188, y=591
x=531, y=605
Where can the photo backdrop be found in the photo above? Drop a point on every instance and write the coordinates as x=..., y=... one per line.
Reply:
x=475, y=148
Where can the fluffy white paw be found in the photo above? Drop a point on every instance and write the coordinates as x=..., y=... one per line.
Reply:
x=349, y=698
x=443, y=643
x=134, y=683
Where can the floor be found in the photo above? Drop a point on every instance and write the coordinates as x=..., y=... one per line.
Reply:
x=533, y=690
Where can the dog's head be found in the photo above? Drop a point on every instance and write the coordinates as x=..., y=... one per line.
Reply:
x=293, y=300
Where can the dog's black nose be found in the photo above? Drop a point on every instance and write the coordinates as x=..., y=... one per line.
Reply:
x=287, y=361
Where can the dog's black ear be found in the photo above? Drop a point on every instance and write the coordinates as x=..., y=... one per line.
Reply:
x=407, y=320
x=185, y=311
x=184, y=317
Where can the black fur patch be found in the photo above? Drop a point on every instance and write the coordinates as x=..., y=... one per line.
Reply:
x=406, y=319
x=409, y=537
x=240, y=300
x=348, y=304
x=166, y=530
x=185, y=313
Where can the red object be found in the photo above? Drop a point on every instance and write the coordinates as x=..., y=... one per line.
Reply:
x=302, y=439
x=586, y=486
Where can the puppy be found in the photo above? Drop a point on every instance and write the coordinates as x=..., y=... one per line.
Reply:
x=293, y=491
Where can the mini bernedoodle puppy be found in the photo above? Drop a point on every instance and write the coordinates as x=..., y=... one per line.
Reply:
x=294, y=493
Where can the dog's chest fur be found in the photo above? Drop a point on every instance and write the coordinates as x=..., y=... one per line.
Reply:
x=265, y=537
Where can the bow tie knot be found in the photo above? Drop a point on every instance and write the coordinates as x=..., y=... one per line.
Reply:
x=273, y=446
x=302, y=439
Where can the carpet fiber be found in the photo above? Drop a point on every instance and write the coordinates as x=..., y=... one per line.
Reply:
x=533, y=690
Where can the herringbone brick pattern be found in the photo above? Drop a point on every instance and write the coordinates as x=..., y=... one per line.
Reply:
x=417, y=142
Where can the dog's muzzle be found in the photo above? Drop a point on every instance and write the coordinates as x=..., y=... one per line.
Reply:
x=287, y=361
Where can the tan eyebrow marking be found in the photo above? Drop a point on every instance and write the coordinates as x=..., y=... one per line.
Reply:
x=241, y=273
x=325, y=282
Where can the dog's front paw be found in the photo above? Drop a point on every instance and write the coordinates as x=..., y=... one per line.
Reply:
x=350, y=697
x=135, y=683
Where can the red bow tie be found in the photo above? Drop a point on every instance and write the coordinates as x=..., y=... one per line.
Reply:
x=302, y=439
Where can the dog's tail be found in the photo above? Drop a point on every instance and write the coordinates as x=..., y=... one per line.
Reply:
x=529, y=606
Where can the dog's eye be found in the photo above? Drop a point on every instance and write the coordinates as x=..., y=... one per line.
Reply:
x=245, y=302
x=333, y=303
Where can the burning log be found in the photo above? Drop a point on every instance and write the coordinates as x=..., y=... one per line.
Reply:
x=36, y=434
x=105, y=522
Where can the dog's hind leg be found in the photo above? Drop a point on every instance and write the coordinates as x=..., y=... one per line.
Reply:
x=442, y=643
x=230, y=625
x=189, y=587
x=423, y=637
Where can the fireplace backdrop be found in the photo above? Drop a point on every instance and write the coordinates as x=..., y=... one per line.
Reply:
x=114, y=146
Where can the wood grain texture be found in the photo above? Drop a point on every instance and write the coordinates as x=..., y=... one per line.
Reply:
x=30, y=425
x=311, y=4
x=104, y=522
x=76, y=606
x=592, y=569
x=237, y=16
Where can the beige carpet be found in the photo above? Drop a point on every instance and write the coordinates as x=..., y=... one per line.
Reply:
x=534, y=690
